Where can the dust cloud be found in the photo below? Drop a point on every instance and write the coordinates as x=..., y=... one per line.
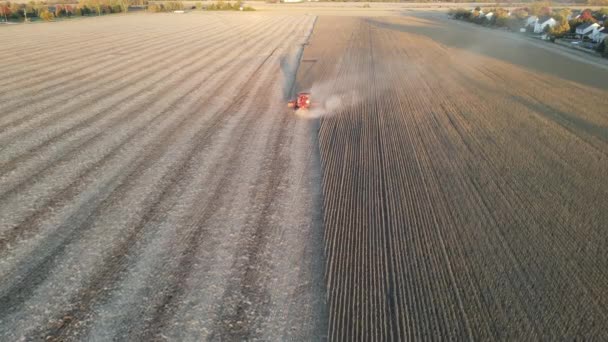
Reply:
x=331, y=97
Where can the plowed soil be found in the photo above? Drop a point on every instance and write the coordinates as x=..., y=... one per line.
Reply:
x=449, y=182
x=464, y=181
x=153, y=184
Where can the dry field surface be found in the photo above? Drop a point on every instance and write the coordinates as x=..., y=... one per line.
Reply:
x=152, y=183
x=153, y=186
x=464, y=180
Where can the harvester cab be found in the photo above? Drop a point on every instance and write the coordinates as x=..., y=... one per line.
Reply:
x=302, y=101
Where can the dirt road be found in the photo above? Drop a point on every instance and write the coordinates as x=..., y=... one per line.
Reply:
x=464, y=178
x=152, y=183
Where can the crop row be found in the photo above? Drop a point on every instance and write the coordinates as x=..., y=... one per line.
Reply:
x=460, y=196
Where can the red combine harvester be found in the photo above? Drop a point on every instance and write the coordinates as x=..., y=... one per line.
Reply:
x=301, y=101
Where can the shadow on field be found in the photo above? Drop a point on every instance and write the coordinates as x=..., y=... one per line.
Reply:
x=565, y=119
x=569, y=121
x=290, y=64
x=515, y=50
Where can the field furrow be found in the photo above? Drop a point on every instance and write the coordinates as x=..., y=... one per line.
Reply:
x=147, y=177
x=447, y=182
x=470, y=185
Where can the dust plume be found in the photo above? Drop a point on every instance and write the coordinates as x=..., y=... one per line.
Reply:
x=331, y=97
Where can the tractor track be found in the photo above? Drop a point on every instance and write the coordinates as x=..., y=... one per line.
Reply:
x=47, y=93
x=17, y=230
x=83, y=52
x=193, y=239
x=155, y=211
x=147, y=162
x=247, y=283
x=75, y=81
x=79, y=127
x=159, y=72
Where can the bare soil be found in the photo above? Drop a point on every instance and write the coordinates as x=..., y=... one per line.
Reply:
x=464, y=182
x=449, y=183
x=153, y=184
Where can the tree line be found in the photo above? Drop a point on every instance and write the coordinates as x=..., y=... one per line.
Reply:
x=39, y=10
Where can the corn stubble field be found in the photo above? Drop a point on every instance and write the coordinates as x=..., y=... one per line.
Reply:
x=153, y=185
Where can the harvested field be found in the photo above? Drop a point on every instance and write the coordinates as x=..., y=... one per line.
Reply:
x=464, y=181
x=152, y=183
x=153, y=186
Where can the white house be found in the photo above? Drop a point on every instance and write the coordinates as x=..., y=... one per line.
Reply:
x=586, y=29
x=540, y=25
x=531, y=20
x=599, y=34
